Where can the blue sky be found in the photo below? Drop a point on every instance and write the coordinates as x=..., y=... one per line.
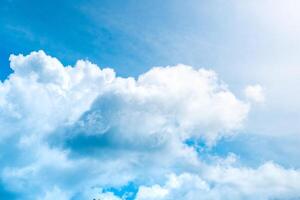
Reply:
x=223, y=97
x=136, y=35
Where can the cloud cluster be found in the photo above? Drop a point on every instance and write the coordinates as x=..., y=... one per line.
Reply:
x=269, y=181
x=70, y=132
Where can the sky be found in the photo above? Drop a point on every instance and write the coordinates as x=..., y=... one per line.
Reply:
x=149, y=100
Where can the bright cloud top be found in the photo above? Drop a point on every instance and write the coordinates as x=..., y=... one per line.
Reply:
x=74, y=131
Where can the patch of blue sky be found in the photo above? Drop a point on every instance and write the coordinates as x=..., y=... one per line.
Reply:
x=127, y=192
x=251, y=149
x=130, y=36
x=65, y=30
x=6, y=194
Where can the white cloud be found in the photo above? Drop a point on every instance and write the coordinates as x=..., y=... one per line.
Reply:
x=269, y=181
x=167, y=102
x=56, y=194
x=73, y=128
x=176, y=187
x=42, y=94
x=255, y=93
x=152, y=192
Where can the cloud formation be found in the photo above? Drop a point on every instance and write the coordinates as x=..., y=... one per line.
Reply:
x=269, y=181
x=70, y=132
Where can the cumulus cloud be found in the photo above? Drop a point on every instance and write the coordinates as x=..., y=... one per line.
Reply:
x=68, y=129
x=172, y=102
x=255, y=93
x=269, y=181
x=43, y=94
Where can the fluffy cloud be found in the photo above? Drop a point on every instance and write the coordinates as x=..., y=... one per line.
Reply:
x=66, y=130
x=163, y=104
x=269, y=181
x=42, y=94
